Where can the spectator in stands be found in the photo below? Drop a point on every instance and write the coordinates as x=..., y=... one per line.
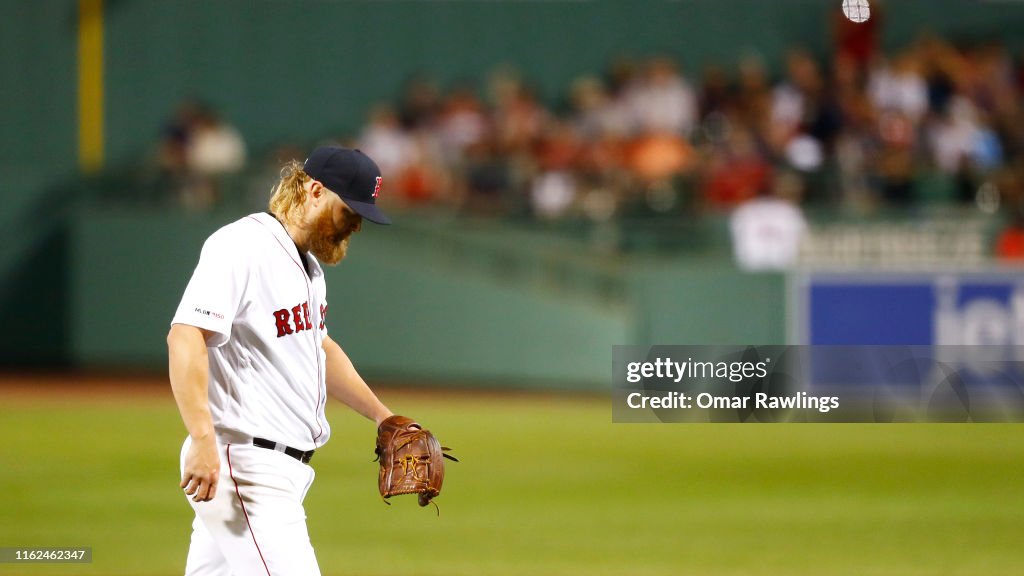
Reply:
x=767, y=230
x=425, y=177
x=754, y=93
x=1010, y=244
x=857, y=136
x=595, y=113
x=662, y=101
x=898, y=86
x=942, y=65
x=893, y=165
x=463, y=123
x=488, y=179
x=384, y=140
x=518, y=119
x=174, y=141
x=197, y=151
x=601, y=125
x=408, y=159
x=554, y=190
x=795, y=100
x=215, y=148
x=214, y=151
x=715, y=93
x=736, y=171
x=857, y=42
x=425, y=180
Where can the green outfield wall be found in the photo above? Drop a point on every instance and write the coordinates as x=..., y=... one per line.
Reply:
x=409, y=306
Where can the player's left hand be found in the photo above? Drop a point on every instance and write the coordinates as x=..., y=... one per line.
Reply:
x=411, y=460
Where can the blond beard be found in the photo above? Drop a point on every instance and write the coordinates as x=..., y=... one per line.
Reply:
x=329, y=243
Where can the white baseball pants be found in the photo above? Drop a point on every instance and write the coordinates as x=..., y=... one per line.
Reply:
x=255, y=525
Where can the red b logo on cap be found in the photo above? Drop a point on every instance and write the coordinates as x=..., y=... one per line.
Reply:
x=376, y=189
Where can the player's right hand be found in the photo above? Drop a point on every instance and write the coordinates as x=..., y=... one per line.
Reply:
x=202, y=469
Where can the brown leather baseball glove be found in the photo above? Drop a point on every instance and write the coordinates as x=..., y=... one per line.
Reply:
x=411, y=460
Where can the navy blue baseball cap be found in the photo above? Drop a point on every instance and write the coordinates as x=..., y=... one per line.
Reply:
x=351, y=175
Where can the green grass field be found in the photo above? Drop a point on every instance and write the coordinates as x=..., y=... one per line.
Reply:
x=547, y=485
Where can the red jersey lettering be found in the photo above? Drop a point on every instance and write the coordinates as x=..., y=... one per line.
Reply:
x=281, y=318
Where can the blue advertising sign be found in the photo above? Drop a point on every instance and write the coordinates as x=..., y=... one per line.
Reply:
x=911, y=332
x=923, y=309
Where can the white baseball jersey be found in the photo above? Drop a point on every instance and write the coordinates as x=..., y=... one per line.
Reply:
x=267, y=308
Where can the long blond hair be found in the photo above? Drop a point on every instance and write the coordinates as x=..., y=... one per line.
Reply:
x=288, y=196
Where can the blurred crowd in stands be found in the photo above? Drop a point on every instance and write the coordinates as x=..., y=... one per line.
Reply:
x=859, y=130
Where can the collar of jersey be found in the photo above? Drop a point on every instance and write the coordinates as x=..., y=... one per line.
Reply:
x=277, y=228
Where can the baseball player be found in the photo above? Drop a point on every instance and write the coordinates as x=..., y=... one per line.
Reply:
x=251, y=365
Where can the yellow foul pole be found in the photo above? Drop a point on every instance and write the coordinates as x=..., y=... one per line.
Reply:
x=90, y=84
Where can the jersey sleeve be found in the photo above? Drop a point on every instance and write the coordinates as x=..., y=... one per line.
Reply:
x=214, y=294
